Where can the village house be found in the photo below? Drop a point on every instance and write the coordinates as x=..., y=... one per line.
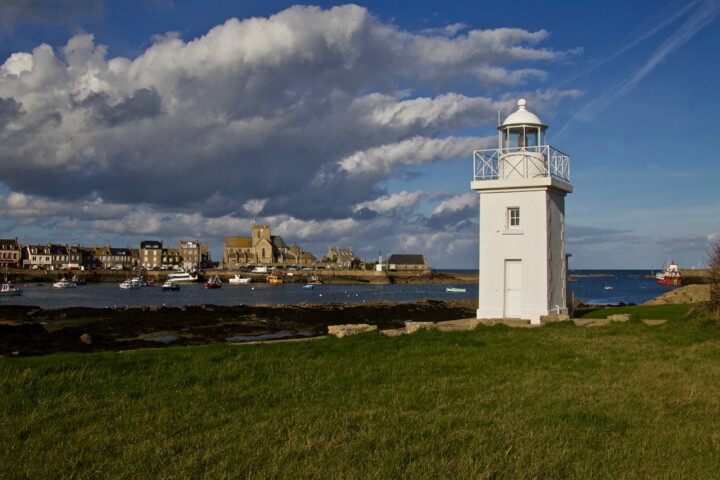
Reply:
x=10, y=253
x=193, y=254
x=171, y=258
x=151, y=252
x=406, y=262
x=110, y=257
x=342, y=257
x=37, y=256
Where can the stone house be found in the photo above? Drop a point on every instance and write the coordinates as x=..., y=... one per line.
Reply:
x=260, y=248
x=406, y=262
x=111, y=257
x=193, y=254
x=342, y=257
x=172, y=258
x=10, y=253
x=151, y=254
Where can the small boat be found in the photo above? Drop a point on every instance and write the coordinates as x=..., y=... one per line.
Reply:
x=182, y=276
x=129, y=284
x=608, y=287
x=455, y=290
x=274, y=279
x=308, y=286
x=8, y=290
x=64, y=283
x=314, y=280
x=237, y=280
x=214, y=282
x=169, y=286
x=77, y=280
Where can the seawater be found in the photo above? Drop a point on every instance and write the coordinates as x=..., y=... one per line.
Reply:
x=629, y=286
x=110, y=295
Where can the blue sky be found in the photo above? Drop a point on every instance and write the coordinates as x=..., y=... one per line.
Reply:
x=354, y=124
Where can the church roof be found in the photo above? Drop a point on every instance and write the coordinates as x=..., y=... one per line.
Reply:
x=238, y=242
x=278, y=242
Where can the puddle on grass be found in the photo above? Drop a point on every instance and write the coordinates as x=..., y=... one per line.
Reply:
x=267, y=336
x=164, y=339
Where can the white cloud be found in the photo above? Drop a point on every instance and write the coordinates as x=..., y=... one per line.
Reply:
x=387, y=203
x=299, y=117
x=386, y=159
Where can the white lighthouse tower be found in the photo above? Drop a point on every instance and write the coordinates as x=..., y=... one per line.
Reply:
x=522, y=187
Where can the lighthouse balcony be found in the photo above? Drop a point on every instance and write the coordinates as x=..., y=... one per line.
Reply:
x=521, y=162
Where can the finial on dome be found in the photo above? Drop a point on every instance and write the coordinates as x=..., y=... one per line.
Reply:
x=521, y=104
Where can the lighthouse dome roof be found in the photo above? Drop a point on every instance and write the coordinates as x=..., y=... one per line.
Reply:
x=522, y=116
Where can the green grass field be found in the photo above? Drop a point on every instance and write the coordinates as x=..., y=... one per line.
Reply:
x=623, y=401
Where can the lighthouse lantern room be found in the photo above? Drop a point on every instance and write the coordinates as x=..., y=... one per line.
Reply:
x=522, y=187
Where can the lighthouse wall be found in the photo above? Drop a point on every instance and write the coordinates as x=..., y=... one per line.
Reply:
x=526, y=246
x=557, y=265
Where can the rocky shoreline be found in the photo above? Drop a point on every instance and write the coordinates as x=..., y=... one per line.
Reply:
x=26, y=331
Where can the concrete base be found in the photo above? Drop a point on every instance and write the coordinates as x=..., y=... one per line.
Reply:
x=534, y=317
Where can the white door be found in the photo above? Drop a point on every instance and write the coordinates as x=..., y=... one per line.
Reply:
x=513, y=288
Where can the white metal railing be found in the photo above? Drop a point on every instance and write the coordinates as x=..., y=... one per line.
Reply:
x=527, y=162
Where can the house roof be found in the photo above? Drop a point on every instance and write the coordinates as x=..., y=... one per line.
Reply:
x=406, y=259
x=151, y=244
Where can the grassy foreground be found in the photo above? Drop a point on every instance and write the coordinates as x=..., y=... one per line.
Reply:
x=620, y=401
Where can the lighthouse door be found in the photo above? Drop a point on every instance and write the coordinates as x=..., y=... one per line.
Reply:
x=513, y=288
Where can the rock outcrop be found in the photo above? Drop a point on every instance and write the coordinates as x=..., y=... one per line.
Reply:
x=686, y=294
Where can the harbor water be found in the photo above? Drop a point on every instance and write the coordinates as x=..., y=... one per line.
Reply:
x=589, y=286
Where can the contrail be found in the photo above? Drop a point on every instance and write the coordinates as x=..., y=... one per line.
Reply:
x=669, y=20
x=704, y=15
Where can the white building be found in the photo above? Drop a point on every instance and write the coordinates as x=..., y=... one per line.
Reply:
x=522, y=187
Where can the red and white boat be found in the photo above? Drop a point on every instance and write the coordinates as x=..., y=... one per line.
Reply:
x=214, y=282
x=669, y=276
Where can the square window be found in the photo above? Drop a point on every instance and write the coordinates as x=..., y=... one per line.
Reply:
x=513, y=217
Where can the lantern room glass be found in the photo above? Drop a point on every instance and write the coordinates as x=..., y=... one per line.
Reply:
x=522, y=137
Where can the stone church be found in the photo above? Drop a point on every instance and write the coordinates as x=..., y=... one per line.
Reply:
x=262, y=248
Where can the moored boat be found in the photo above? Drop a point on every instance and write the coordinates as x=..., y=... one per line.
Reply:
x=274, y=278
x=308, y=286
x=129, y=284
x=237, y=280
x=169, y=286
x=8, y=290
x=314, y=280
x=64, y=283
x=77, y=280
x=182, y=276
x=214, y=282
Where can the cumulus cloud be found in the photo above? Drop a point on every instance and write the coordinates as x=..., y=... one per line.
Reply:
x=300, y=116
x=455, y=213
